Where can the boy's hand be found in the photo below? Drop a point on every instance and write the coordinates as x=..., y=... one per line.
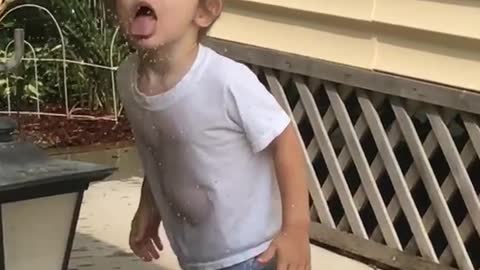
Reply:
x=291, y=249
x=144, y=239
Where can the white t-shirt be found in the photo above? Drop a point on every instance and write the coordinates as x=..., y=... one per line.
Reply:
x=203, y=145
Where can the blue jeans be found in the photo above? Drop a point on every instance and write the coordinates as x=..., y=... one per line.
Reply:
x=252, y=264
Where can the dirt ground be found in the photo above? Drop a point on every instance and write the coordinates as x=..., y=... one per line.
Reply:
x=60, y=132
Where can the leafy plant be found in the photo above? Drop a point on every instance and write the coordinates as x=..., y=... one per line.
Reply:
x=87, y=35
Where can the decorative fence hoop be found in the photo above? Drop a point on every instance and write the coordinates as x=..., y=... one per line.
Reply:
x=65, y=84
x=112, y=73
x=68, y=113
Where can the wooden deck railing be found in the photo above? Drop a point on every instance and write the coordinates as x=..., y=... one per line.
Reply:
x=394, y=162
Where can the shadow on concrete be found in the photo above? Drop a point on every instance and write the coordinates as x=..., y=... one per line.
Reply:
x=89, y=253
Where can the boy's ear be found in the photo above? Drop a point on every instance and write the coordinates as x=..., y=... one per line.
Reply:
x=208, y=13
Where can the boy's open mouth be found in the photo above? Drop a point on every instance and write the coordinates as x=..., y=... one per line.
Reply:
x=144, y=10
x=144, y=21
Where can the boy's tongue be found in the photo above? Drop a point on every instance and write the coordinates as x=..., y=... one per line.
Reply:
x=143, y=26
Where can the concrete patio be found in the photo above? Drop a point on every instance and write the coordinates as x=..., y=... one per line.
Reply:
x=101, y=241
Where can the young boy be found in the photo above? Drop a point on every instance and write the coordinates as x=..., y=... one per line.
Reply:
x=224, y=170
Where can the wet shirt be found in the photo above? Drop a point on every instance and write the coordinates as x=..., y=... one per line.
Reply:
x=204, y=148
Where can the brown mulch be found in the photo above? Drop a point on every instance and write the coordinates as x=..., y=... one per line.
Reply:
x=60, y=132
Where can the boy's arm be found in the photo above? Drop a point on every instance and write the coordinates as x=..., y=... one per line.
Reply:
x=291, y=175
x=144, y=239
x=266, y=124
x=146, y=197
x=292, y=246
x=146, y=205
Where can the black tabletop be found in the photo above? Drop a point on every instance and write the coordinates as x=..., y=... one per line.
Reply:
x=50, y=171
x=24, y=165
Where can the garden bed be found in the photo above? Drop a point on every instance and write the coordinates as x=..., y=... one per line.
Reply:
x=59, y=132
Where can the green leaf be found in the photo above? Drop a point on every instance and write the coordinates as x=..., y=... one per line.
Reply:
x=31, y=88
x=7, y=91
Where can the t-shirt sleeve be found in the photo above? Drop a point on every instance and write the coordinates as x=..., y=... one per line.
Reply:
x=254, y=109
